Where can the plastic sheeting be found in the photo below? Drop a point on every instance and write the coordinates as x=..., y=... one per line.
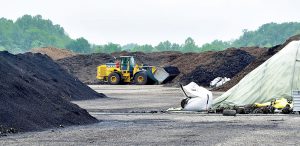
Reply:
x=201, y=98
x=274, y=79
x=218, y=81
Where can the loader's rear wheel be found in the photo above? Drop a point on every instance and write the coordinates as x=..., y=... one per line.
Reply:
x=114, y=78
x=140, y=78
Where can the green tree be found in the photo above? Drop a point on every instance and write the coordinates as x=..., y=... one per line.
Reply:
x=164, y=46
x=189, y=45
x=216, y=45
x=33, y=31
x=30, y=32
x=143, y=48
x=96, y=48
x=267, y=35
x=2, y=48
x=79, y=45
x=111, y=47
x=175, y=47
x=129, y=47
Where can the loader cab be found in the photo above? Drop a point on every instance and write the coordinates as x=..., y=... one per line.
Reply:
x=127, y=63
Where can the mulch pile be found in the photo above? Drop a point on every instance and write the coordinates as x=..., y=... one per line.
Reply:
x=35, y=94
x=201, y=68
x=54, y=53
x=188, y=64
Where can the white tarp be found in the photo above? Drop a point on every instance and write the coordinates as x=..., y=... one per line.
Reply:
x=219, y=81
x=274, y=79
x=201, y=98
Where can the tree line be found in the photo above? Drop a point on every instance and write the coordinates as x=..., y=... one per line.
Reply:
x=29, y=32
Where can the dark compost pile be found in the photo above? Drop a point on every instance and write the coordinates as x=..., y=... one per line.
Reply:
x=35, y=94
x=226, y=64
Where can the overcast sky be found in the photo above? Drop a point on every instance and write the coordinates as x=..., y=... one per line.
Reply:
x=152, y=21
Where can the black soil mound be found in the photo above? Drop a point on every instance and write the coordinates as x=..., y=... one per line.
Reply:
x=226, y=64
x=84, y=67
x=34, y=93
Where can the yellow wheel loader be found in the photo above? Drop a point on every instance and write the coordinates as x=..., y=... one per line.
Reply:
x=125, y=70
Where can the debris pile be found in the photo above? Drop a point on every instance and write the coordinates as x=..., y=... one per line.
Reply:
x=282, y=105
x=34, y=93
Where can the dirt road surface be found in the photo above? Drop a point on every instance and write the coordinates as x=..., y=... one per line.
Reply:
x=129, y=117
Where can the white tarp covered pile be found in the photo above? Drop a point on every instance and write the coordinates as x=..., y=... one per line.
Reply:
x=200, y=98
x=274, y=79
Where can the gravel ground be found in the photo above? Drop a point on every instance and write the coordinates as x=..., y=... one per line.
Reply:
x=122, y=127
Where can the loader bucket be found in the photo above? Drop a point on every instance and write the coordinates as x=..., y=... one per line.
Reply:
x=151, y=79
x=150, y=75
x=173, y=72
x=166, y=74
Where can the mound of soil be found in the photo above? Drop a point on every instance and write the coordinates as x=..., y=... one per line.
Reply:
x=225, y=64
x=265, y=55
x=54, y=53
x=254, y=51
x=84, y=66
x=34, y=93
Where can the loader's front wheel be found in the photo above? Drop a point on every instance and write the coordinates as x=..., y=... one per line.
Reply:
x=114, y=78
x=140, y=78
